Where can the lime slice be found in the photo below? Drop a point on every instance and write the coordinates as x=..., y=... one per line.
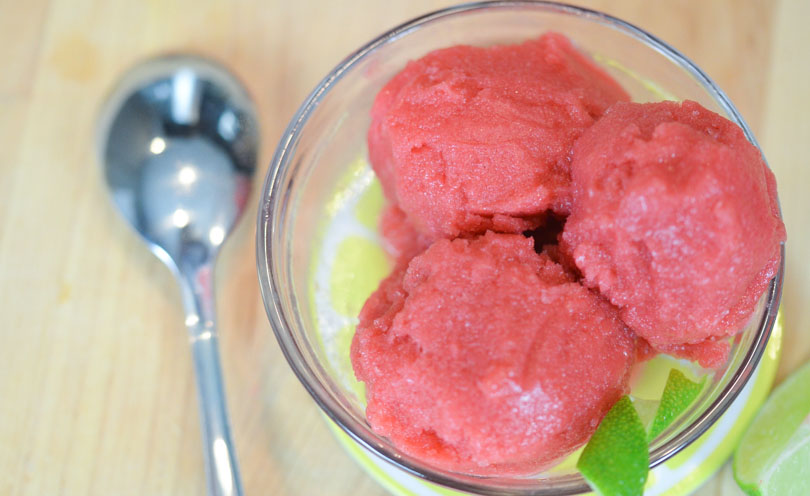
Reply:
x=615, y=462
x=678, y=394
x=773, y=457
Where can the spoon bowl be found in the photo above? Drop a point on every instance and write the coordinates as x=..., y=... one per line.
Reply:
x=178, y=142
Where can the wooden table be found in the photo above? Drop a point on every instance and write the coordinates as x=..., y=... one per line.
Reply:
x=96, y=388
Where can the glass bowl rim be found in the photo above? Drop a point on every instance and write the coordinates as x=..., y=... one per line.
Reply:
x=271, y=203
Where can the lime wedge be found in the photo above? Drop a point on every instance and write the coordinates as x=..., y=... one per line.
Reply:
x=773, y=457
x=678, y=394
x=615, y=462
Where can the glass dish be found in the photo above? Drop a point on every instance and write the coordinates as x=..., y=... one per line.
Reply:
x=320, y=167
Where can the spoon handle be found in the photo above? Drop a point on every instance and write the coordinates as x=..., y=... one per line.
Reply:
x=221, y=469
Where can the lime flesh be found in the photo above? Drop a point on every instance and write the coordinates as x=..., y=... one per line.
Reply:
x=773, y=457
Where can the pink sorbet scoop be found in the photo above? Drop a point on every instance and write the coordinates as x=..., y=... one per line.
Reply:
x=468, y=139
x=485, y=357
x=674, y=219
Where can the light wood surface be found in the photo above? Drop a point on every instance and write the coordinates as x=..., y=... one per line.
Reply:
x=96, y=388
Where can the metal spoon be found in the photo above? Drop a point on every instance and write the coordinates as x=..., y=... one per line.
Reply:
x=178, y=142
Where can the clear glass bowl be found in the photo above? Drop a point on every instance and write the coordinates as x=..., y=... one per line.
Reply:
x=315, y=168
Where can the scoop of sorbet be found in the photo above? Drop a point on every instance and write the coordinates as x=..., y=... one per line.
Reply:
x=675, y=219
x=468, y=139
x=482, y=356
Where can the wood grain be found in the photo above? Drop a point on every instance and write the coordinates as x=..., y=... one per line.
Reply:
x=96, y=391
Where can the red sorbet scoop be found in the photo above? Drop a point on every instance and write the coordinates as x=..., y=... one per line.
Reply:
x=675, y=219
x=484, y=357
x=467, y=139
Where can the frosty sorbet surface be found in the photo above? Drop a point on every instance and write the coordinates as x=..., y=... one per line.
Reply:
x=675, y=220
x=485, y=357
x=467, y=139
